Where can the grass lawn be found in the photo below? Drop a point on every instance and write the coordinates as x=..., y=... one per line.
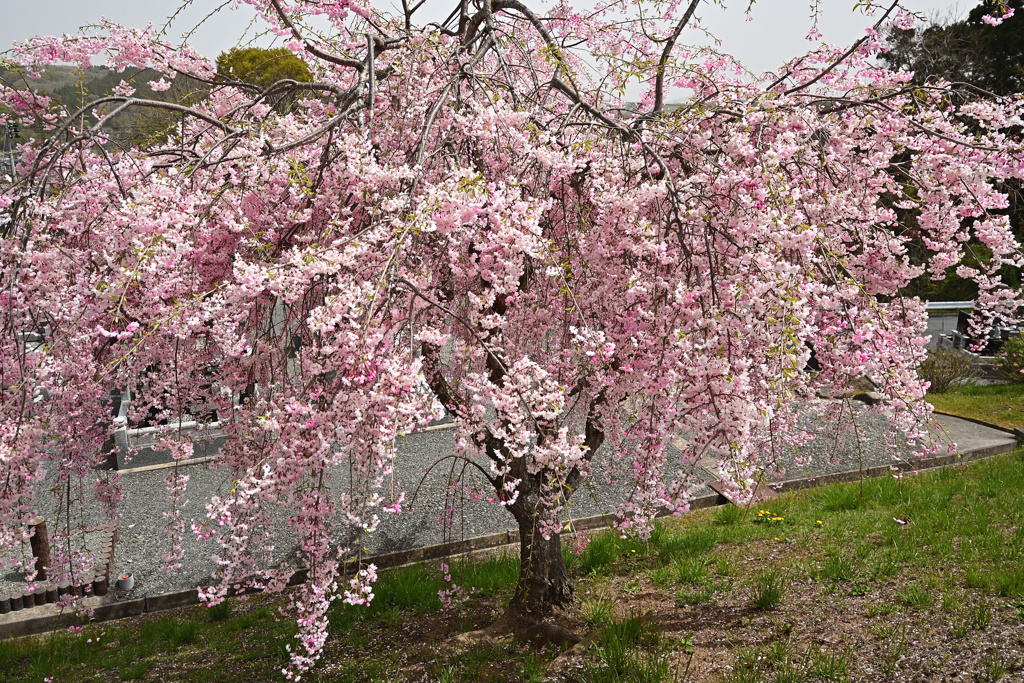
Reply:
x=916, y=579
x=1001, y=404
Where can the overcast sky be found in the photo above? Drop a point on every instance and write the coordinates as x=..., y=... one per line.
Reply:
x=776, y=33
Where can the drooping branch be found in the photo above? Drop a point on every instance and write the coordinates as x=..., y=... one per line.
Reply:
x=272, y=149
x=313, y=49
x=371, y=78
x=853, y=48
x=124, y=104
x=428, y=122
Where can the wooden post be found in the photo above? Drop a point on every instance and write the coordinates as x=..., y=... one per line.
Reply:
x=40, y=541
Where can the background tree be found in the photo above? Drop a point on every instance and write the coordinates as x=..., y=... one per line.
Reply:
x=979, y=60
x=1002, y=48
x=467, y=217
x=262, y=66
x=968, y=51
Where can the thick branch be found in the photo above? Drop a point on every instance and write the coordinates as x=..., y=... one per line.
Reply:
x=593, y=437
x=659, y=80
x=437, y=382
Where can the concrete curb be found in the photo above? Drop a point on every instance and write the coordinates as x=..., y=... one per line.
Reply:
x=210, y=458
x=119, y=610
x=49, y=618
x=882, y=470
x=978, y=422
x=173, y=600
x=168, y=465
x=38, y=624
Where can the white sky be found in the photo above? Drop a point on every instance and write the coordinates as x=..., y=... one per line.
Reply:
x=776, y=33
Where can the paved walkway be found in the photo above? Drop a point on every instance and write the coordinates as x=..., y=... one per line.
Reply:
x=142, y=540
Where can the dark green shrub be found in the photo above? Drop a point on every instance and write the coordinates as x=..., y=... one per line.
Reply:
x=1010, y=360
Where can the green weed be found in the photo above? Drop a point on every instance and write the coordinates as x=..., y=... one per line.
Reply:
x=596, y=612
x=679, y=545
x=489, y=576
x=840, y=498
x=220, y=611
x=768, y=590
x=685, y=597
x=829, y=665
x=745, y=670
x=992, y=667
x=533, y=669
x=916, y=596
x=981, y=616
x=631, y=651
x=952, y=601
x=134, y=671
x=894, y=644
x=729, y=515
x=413, y=587
x=838, y=567
x=691, y=570
x=599, y=553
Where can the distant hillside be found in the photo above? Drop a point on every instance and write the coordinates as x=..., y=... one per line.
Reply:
x=74, y=87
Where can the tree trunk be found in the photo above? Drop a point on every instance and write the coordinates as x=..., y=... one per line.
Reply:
x=543, y=582
x=40, y=543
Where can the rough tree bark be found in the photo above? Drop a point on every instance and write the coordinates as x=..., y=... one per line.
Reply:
x=543, y=583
